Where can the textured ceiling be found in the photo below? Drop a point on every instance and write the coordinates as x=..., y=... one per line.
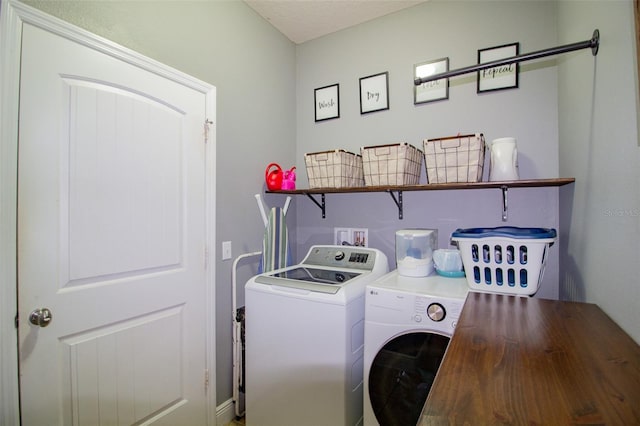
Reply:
x=304, y=20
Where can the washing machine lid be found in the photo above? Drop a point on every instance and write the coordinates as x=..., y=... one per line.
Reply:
x=308, y=278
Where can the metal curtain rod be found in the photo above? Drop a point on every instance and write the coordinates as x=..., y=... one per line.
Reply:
x=593, y=43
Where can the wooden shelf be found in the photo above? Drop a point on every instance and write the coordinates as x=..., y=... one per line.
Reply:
x=399, y=189
x=530, y=183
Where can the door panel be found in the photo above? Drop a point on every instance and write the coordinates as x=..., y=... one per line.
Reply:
x=121, y=373
x=111, y=238
x=128, y=149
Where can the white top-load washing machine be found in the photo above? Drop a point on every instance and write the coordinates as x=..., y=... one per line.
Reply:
x=408, y=324
x=305, y=338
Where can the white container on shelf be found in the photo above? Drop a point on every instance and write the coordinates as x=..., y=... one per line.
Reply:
x=414, y=251
x=503, y=165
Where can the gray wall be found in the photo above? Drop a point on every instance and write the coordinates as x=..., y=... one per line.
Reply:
x=224, y=43
x=599, y=146
x=395, y=43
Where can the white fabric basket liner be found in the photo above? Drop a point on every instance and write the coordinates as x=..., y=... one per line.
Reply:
x=455, y=159
x=393, y=164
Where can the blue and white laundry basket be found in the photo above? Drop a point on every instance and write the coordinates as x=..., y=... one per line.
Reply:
x=505, y=259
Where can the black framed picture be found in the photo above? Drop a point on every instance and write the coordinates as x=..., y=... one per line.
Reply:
x=500, y=77
x=327, y=102
x=374, y=93
x=432, y=90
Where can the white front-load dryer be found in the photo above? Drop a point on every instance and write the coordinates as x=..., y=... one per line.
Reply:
x=408, y=324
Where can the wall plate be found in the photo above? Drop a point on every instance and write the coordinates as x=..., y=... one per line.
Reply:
x=351, y=237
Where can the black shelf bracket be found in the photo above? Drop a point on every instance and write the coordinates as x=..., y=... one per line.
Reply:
x=321, y=206
x=398, y=202
x=504, y=189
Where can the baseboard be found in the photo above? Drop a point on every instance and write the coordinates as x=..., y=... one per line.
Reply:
x=225, y=412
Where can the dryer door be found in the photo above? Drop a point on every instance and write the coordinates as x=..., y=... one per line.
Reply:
x=401, y=376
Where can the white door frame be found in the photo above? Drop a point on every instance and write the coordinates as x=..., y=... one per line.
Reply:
x=12, y=16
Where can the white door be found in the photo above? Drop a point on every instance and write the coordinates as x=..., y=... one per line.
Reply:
x=111, y=240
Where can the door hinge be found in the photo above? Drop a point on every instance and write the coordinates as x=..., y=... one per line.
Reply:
x=17, y=320
x=207, y=123
x=206, y=379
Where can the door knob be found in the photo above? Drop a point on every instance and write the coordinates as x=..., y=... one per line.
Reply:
x=41, y=317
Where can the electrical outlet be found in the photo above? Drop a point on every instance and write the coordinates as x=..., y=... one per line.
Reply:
x=226, y=250
x=351, y=237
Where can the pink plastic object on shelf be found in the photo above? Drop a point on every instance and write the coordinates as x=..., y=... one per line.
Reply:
x=289, y=180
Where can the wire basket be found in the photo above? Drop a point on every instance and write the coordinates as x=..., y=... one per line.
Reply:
x=505, y=259
x=393, y=164
x=334, y=169
x=454, y=158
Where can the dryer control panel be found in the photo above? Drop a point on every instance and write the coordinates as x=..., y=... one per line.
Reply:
x=432, y=303
x=433, y=310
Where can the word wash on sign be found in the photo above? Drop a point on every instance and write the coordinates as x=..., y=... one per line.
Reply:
x=326, y=104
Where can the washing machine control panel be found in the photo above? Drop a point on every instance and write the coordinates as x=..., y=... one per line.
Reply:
x=360, y=258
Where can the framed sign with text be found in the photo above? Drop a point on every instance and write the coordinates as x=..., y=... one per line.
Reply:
x=500, y=77
x=432, y=90
x=327, y=102
x=374, y=93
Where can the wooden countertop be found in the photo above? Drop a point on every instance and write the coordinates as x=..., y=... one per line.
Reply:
x=527, y=361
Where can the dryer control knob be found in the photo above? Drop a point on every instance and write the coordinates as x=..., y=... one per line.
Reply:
x=339, y=255
x=436, y=312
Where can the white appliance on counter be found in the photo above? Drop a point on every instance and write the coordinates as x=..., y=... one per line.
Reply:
x=408, y=324
x=305, y=338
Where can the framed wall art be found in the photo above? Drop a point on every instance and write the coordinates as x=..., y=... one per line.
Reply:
x=374, y=93
x=500, y=77
x=327, y=102
x=432, y=90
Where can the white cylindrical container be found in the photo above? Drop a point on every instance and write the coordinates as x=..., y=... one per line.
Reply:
x=414, y=251
x=503, y=164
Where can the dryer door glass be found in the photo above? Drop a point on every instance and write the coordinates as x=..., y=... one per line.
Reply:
x=401, y=376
